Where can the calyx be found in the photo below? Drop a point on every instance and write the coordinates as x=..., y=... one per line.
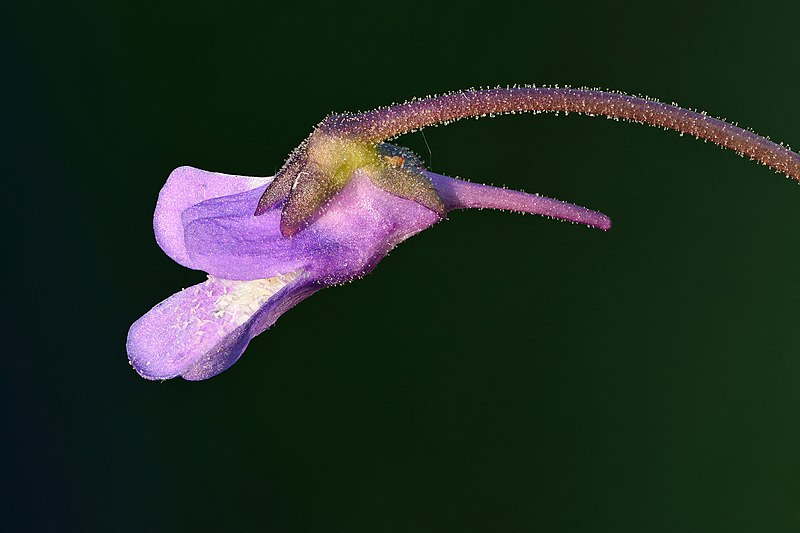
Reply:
x=325, y=163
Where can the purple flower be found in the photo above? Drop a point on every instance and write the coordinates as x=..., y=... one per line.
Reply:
x=204, y=220
x=341, y=202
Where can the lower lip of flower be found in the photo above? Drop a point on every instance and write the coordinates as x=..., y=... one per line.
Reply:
x=197, y=319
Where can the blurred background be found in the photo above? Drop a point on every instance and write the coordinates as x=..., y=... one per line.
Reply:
x=497, y=372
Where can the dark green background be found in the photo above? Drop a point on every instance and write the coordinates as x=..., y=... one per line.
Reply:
x=497, y=372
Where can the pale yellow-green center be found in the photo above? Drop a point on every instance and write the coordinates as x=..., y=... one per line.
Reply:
x=241, y=299
x=338, y=158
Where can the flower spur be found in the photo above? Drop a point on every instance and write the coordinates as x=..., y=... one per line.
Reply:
x=343, y=199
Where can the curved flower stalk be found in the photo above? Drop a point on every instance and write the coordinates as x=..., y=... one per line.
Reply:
x=340, y=203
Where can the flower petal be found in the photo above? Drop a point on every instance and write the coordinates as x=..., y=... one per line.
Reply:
x=201, y=331
x=185, y=187
x=225, y=239
x=360, y=225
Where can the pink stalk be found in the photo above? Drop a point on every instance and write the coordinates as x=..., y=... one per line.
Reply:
x=389, y=122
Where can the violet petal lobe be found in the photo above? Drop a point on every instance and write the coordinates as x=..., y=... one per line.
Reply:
x=185, y=187
x=202, y=330
x=359, y=226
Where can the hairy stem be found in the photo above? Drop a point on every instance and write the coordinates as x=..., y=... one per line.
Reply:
x=388, y=122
